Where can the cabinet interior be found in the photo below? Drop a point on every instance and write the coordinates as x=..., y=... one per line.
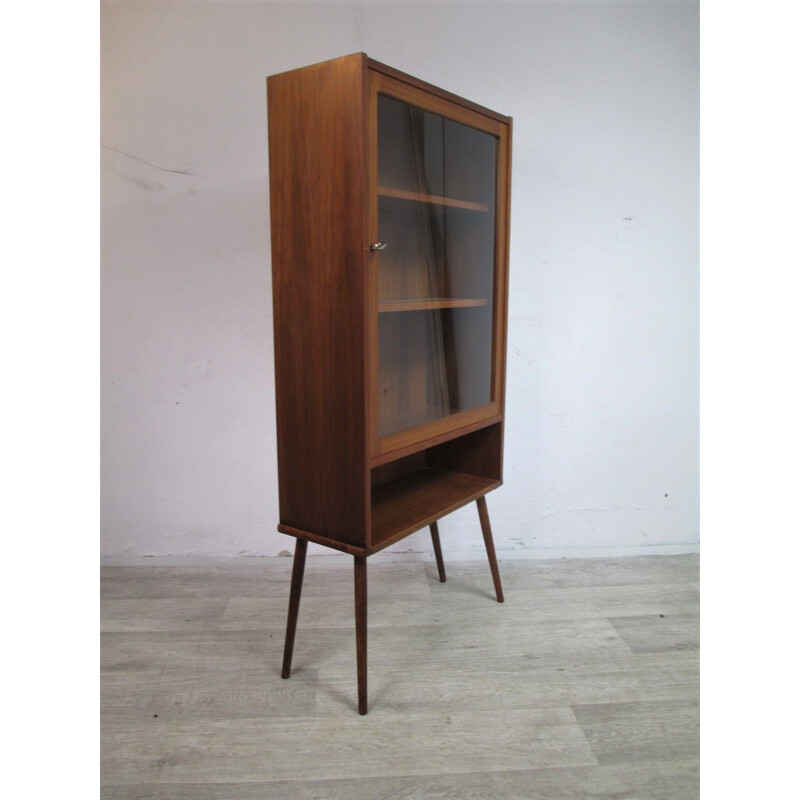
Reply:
x=436, y=215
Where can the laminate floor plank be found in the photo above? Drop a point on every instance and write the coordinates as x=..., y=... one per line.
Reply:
x=150, y=651
x=272, y=580
x=575, y=572
x=258, y=613
x=584, y=684
x=163, y=614
x=441, y=643
x=659, y=633
x=145, y=791
x=222, y=687
x=675, y=780
x=655, y=730
x=122, y=759
x=436, y=744
x=420, y=689
x=452, y=644
x=241, y=699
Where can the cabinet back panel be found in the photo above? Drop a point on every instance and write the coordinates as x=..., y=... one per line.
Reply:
x=319, y=235
x=398, y=468
x=478, y=453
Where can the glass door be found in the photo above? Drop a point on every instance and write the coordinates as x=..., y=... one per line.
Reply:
x=434, y=264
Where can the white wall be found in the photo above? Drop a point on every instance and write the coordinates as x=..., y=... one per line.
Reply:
x=602, y=407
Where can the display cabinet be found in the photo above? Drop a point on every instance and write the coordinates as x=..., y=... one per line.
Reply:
x=389, y=207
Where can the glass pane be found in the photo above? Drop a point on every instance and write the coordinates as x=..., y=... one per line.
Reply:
x=436, y=212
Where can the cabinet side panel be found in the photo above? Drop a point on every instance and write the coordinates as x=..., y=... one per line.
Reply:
x=318, y=216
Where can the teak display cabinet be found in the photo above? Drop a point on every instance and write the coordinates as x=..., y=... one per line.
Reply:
x=389, y=212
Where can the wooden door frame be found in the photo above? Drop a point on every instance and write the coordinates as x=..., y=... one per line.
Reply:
x=438, y=102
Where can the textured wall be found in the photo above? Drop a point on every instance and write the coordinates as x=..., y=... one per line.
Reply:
x=602, y=406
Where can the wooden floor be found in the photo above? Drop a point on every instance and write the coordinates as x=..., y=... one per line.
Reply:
x=584, y=684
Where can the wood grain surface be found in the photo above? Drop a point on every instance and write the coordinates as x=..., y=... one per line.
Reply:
x=318, y=211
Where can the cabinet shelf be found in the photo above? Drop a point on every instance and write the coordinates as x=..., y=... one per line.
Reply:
x=388, y=191
x=425, y=303
x=410, y=418
x=419, y=498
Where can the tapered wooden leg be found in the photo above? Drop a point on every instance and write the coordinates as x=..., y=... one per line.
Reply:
x=361, y=630
x=487, y=538
x=437, y=549
x=294, y=604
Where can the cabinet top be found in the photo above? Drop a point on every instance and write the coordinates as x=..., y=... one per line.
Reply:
x=369, y=63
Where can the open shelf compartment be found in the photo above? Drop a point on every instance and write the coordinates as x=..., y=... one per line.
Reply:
x=420, y=498
x=412, y=492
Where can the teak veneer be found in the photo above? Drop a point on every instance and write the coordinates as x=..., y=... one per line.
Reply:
x=389, y=204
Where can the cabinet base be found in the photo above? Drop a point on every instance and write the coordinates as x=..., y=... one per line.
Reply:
x=360, y=581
